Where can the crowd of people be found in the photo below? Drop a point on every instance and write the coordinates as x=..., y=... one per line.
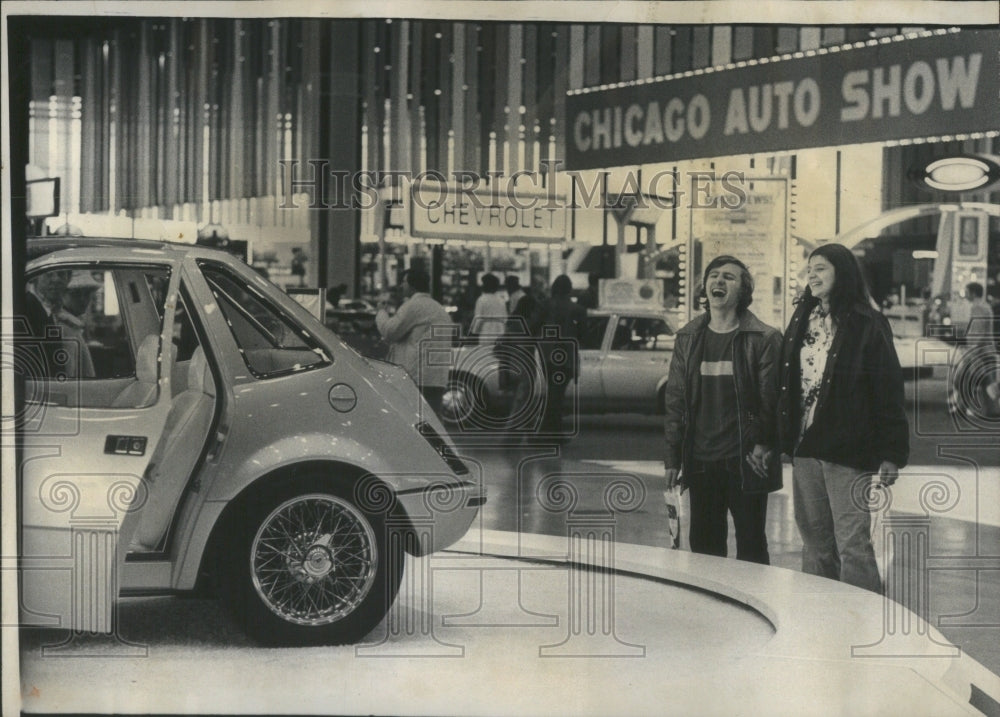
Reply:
x=511, y=322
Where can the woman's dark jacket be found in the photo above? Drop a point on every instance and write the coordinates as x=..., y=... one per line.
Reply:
x=860, y=419
x=756, y=349
x=558, y=325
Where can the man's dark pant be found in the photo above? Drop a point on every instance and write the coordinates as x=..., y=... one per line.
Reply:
x=552, y=413
x=715, y=489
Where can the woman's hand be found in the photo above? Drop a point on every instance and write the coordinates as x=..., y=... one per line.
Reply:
x=888, y=472
x=673, y=479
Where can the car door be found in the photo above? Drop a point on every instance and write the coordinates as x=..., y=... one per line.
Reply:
x=589, y=384
x=93, y=409
x=636, y=362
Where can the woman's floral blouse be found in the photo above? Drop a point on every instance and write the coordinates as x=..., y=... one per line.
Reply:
x=812, y=359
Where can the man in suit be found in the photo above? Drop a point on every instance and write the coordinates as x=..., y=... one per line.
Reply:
x=50, y=320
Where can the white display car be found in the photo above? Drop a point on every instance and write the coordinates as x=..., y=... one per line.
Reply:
x=185, y=422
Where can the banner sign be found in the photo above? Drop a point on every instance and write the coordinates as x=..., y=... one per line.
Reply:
x=444, y=210
x=755, y=233
x=943, y=84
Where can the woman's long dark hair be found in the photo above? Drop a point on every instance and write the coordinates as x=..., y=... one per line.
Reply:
x=849, y=287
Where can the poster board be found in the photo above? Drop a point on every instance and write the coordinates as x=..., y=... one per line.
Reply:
x=753, y=227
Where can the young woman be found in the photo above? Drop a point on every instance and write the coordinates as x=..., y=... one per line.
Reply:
x=841, y=416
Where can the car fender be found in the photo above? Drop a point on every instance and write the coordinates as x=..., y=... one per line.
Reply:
x=213, y=510
x=421, y=461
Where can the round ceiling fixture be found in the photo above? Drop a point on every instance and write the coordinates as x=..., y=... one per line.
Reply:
x=961, y=173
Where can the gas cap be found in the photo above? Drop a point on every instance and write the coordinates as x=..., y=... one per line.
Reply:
x=343, y=398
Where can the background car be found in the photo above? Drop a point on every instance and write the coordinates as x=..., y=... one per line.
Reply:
x=918, y=354
x=624, y=362
x=194, y=425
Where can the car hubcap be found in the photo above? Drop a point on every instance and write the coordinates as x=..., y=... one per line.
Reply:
x=314, y=560
x=456, y=404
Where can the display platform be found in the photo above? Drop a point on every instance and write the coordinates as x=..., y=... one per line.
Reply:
x=527, y=624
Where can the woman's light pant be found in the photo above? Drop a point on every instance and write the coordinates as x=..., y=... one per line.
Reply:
x=834, y=520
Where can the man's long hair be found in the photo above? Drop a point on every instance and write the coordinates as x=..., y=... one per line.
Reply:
x=746, y=283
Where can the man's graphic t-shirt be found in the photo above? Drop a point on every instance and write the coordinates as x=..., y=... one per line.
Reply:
x=716, y=424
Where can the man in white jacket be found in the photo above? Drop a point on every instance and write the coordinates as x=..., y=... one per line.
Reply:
x=412, y=323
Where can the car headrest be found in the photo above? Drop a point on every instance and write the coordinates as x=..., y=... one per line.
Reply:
x=145, y=359
x=199, y=373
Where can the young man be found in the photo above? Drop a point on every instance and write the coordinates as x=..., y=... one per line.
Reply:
x=412, y=323
x=720, y=415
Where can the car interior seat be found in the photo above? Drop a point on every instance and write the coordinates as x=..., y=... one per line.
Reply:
x=622, y=338
x=142, y=391
x=177, y=453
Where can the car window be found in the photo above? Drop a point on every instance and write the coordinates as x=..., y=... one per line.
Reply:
x=639, y=333
x=593, y=332
x=269, y=341
x=97, y=328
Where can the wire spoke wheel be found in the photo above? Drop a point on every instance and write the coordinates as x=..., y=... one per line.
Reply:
x=314, y=559
x=302, y=564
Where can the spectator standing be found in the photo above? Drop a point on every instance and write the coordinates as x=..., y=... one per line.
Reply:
x=561, y=316
x=980, y=317
x=489, y=318
x=591, y=297
x=841, y=416
x=514, y=291
x=298, y=266
x=720, y=403
x=404, y=331
x=517, y=351
x=976, y=377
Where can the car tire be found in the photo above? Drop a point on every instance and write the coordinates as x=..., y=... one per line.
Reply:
x=306, y=566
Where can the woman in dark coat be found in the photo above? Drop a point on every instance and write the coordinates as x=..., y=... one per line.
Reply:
x=841, y=416
x=560, y=323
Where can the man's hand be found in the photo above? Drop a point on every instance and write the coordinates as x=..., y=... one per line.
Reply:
x=888, y=472
x=673, y=479
x=759, y=459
